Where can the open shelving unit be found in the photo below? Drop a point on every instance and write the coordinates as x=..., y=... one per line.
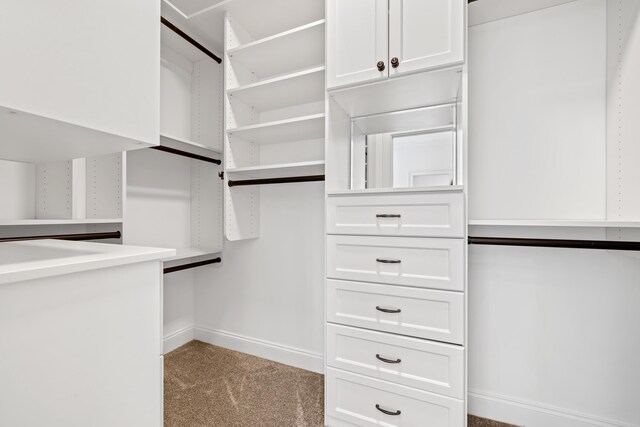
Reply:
x=73, y=196
x=274, y=106
x=174, y=192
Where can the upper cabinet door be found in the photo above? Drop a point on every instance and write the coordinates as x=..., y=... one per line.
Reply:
x=357, y=41
x=425, y=34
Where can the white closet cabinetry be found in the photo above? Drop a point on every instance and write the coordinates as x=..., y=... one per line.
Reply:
x=373, y=40
x=357, y=40
x=425, y=34
x=78, y=78
x=274, y=109
x=175, y=201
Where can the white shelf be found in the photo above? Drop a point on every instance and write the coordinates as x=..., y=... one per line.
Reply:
x=299, y=48
x=401, y=93
x=301, y=87
x=207, y=18
x=189, y=253
x=58, y=221
x=315, y=167
x=186, y=145
x=32, y=138
x=438, y=189
x=295, y=129
x=439, y=117
x=556, y=223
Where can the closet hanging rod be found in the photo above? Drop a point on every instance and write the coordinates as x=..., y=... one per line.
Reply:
x=185, y=36
x=186, y=154
x=556, y=243
x=285, y=180
x=77, y=237
x=191, y=265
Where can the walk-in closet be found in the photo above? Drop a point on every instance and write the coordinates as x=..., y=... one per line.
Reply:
x=310, y=213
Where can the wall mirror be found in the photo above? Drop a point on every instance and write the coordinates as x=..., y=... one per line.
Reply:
x=402, y=149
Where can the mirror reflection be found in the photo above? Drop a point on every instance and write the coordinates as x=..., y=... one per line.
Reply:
x=411, y=148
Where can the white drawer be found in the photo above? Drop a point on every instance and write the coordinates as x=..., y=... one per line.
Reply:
x=407, y=214
x=423, y=313
x=355, y=398
x=413, y=362
x=427, y=263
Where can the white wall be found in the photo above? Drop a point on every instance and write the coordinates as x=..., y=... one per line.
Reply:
x=554, y=336
x=178, y=310
x=537, y=114
x=267, y=298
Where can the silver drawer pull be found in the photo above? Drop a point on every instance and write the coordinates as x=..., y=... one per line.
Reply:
x=384, y=411
x=388, y=310
x=388, y=261
x=382, y=359
x=388, y=215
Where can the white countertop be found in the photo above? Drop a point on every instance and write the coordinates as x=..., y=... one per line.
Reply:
x=35, y=259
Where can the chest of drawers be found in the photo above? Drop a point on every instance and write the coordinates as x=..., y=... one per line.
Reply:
x=395, y=309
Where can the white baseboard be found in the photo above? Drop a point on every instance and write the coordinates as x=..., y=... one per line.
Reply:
x=531, y=414
x=177, y=339
x=268, y=350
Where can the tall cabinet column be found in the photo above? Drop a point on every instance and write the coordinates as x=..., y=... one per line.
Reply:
x=396, y=216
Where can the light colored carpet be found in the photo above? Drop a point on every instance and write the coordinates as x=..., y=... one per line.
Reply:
x=209, y=386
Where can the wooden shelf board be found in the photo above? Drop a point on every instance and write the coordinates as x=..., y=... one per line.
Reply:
x=300, y=87
x=189, y=253
x=438, y=189
x=400, y=93
x=440, y=117
x=556, y=223
x=296, y=49
x=315, y=167
x=186, y=145
x=33, y=138
x=295, y=129
x=208, y=21
x=59, y=221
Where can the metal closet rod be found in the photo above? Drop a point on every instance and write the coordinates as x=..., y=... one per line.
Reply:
x=186, y=154
x=80, y=236
x=556, y=243
x=191, y=265
x=285, y=180
x=186, y=36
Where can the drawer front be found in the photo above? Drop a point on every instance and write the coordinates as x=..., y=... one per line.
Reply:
x=427, y=365
x=427, y=215
x=423, y=313
x=427, y=263
x=353, y=398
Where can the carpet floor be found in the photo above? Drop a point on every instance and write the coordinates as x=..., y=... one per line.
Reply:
x=209, y=386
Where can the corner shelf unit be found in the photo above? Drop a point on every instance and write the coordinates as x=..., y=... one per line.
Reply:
x=174, y=191
x=274, y=108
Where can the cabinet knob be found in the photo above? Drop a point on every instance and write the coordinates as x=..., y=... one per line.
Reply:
x=380, y=65
x=395, y=62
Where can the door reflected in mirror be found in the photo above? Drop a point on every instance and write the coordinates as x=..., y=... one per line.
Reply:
x=412, y=148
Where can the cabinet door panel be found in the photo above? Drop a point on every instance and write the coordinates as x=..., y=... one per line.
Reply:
x=425, y=34
x=357, y=40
